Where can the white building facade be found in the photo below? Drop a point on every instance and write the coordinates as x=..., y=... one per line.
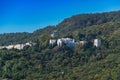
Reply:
x=52, y=41
x=97, y=42
x=59, y=42
x=67, y=41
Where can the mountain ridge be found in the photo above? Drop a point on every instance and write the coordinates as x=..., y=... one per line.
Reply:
x=68, y=25
x=84, y=62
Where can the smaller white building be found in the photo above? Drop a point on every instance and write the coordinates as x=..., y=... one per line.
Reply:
x=83, y=42
x=10, y=46
x=52, y=41
x=28, y=44
x=54, y=34
x=59, y=42
x=97, y=42
x=19, y=46
x=2, y=47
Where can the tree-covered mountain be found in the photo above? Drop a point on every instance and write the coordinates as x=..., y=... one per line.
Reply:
x=45, y=62
x=67, y=26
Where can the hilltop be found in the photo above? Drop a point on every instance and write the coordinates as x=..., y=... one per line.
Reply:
x=86, y=62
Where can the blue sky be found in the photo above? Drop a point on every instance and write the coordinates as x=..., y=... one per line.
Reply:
x=29, y=15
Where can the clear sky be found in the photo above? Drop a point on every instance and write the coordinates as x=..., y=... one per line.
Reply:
x=29, y=15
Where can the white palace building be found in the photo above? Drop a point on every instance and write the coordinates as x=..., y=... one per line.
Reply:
x=70, y=42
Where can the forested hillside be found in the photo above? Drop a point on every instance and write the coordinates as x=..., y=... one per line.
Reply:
x=66, y=27
x=46, y=62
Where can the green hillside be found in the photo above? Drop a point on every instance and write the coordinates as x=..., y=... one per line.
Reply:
x=66, y=27
x=44, y=62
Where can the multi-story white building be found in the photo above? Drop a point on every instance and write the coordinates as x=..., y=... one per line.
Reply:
x=52, y=41
x=67, y=41
x=59, y=42
x=97, y=42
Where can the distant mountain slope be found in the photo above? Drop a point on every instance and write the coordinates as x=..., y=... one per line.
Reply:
x=68, y=26
x=82, y=21
x=86, y=20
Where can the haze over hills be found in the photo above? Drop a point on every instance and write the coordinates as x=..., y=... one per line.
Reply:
x=46, y=62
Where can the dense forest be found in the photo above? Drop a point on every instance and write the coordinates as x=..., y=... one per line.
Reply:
x=43, y=62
